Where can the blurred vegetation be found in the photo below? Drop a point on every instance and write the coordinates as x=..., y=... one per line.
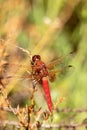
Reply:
x=29, y=24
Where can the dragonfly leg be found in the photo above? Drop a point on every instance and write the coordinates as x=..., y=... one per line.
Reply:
x=29, y=72
x=34, y=82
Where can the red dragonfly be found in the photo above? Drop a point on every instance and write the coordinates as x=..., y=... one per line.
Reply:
x=40, y=73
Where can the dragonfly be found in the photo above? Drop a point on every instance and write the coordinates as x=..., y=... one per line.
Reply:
x=41, y=73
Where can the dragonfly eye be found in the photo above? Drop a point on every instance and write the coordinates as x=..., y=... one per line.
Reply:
x=36, y=57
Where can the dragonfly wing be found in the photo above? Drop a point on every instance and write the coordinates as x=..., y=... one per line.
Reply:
x=52, y=74
x=52, y=64
x=9, y=78
x=40, y=98
x=58, y=60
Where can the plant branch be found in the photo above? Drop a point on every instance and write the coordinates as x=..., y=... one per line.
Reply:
x=65, y=110
x=60, y=125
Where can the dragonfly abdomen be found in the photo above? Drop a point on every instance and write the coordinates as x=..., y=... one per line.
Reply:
x=46, y=88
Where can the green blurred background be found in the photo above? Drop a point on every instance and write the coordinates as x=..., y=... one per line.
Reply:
x=28, y=23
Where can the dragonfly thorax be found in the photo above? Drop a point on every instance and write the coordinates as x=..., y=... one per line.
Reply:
x=38, y=67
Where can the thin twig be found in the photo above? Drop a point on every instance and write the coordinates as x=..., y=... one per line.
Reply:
x=65, y=110
x=28, y=119
x=6, y=122
x=74, y=125
x=60, y=125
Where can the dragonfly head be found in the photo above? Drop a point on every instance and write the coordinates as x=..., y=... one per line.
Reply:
x=36, y=57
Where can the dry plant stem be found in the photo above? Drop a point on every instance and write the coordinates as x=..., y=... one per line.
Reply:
x=19, y=113
x=6, y=122
x=36, y=124
x=28, y=120
x=26, y=114
x=65, y=110
x=17, y=125
x=64, y=125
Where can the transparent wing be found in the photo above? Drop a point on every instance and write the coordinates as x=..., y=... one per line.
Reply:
x=58, y=61
x=57, y=72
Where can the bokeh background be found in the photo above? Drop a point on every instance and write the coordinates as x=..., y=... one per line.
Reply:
x=51, y=29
